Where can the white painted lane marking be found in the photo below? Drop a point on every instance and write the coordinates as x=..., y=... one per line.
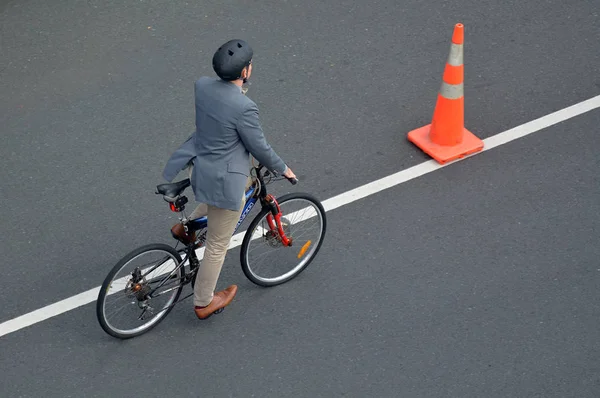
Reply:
x=489, y=143
x=335, y=202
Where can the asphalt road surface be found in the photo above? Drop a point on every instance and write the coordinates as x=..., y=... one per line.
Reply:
x=480, y=279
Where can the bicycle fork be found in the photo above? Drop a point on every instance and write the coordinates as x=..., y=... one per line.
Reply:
x=274, y=220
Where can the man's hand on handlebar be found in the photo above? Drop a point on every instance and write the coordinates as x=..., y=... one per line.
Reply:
x=289, y=174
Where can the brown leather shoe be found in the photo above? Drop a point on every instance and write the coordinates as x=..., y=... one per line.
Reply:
x=220, y=300
x=179, y=233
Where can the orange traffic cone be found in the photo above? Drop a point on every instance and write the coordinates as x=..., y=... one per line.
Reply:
x=446, y=138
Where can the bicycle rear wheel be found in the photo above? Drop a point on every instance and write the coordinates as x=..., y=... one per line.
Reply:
x=143, y=286
x=265, y=260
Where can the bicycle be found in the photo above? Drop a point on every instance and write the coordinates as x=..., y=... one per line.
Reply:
x=176, y=268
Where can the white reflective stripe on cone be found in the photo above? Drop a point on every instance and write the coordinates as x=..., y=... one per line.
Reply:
x=456, y=55
x=452, y=91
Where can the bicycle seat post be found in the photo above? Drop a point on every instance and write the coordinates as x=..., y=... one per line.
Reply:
x=183, y=218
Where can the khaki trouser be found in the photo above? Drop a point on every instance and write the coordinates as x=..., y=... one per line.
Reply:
x=221, y=224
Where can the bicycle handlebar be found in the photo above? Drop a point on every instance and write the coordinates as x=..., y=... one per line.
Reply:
x=293, y=181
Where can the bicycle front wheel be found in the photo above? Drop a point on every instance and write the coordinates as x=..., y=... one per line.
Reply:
x=140, y=291
x=265, y=260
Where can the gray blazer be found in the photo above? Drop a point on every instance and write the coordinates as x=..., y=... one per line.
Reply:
x=227, y=132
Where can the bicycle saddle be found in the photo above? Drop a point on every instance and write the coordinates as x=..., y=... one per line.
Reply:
x=173, y=190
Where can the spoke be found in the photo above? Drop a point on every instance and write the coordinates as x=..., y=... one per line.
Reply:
x=118, y=310
x=124, y=296
x=264, y=255
x=165, y=291
x=303, y=214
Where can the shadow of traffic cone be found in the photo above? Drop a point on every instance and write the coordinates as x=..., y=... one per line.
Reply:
x=446, y=138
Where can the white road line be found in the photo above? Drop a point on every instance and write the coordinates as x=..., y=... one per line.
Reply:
x=335, y=202
x=489, y=143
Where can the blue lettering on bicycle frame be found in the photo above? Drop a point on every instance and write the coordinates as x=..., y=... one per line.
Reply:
x=250, y=201
x=249, y=206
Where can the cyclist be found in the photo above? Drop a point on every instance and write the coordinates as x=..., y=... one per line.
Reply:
x=217, y=154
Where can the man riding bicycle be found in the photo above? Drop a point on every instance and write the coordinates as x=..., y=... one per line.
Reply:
x=217, y=154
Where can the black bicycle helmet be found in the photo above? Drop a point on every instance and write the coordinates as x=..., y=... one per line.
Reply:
x=231, y=58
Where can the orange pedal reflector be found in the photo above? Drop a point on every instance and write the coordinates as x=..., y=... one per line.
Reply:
x=304, y=249
x=446, y=139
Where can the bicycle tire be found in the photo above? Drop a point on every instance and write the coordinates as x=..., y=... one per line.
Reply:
x=246, y=268
x=156, y=247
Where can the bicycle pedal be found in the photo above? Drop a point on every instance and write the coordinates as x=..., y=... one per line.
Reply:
x=219, y=310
